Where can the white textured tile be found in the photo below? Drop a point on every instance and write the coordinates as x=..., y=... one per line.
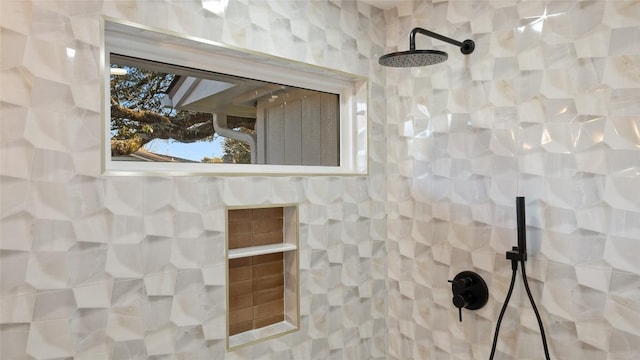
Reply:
x=569, y=116
x=212, y=329
x=154, y=186
x=623, y=344
x=15, y=232
x=621, y=14
x=160, y=223
x=124, y=324
x=624, y=102
x=623, y=314
x=19, y=93
x=38, y=58
x=51, y=305
x=535, y=63
x=93, y=296
x=619, y=71
x=160, y=284
x=124, y=261
x=595, y=278
x=17, y=309
x=624, y=224
x=214, y=275
x=48, y=270
x=185, y=309
x=620, y=133
x=124, y=196
x=620, y=251
x=13, y=339
x=50, y=339
x=160, y=341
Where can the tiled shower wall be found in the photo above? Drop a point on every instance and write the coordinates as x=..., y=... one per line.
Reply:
x=96, y=267
x=547, y=107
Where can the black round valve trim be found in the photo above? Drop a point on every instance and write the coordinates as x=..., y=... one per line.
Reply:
x=469, y=291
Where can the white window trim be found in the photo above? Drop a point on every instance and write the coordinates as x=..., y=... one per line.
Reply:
x=159, y=45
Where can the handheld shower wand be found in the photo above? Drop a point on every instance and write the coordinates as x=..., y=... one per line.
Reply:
x=521, y=227
x=519, y=254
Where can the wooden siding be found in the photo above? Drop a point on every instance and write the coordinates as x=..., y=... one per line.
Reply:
x=300, y=127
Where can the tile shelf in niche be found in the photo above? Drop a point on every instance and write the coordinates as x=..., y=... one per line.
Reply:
x=264, y=333
x=260, y=250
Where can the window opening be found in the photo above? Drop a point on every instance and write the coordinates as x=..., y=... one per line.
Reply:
x=294, y=118
x=168, y=113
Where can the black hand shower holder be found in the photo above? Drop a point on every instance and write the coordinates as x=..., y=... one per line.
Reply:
x=518, y=254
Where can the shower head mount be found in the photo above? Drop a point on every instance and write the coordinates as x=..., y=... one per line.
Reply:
x=415, y=57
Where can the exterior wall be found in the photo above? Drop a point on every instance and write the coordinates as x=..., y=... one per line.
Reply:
x=547, y=107
x=133, y=267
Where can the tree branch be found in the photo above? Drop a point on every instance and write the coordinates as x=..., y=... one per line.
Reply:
x=143, y=126
x=141, y=116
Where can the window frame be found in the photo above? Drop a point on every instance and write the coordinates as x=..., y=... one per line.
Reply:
x=162, y=46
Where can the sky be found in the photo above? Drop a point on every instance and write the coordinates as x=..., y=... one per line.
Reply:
x=192, y=151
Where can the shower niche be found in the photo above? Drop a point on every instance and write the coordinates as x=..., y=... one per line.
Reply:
x=262, y=273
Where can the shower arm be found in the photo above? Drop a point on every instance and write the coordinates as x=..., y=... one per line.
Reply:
x=466, y=46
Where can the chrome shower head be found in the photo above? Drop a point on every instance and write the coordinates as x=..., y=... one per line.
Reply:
x=415, y=57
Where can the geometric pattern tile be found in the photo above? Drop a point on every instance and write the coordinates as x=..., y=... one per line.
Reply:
x=132, y=267
x=546, y=108
x=109, y=267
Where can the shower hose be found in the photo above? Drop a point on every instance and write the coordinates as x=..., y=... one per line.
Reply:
x=514, y=266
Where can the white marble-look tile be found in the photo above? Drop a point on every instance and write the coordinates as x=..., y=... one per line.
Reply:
x=161, y=341
x=624, y=102
x=125, y=229
x=93, y=296
x=154, y=186
x=124, y=261
x=160, y=284
x=623, y=314
x=48, y=270
x=214, y=275
x=124, y=324
x=50, y=339
x=54, y=305
x=621, y=14
x=124, y=196
x=535, y=63
x=185, y=309
x=16, y=232
x=619, y=251
x=13, y=340
x=621, y=71
x=17, y=309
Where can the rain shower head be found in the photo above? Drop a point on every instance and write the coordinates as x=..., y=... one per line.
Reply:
x=415, y=57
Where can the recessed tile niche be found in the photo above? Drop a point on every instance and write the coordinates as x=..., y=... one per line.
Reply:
x=262, y=273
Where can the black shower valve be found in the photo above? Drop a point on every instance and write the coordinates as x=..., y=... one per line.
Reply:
x=469, y=291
